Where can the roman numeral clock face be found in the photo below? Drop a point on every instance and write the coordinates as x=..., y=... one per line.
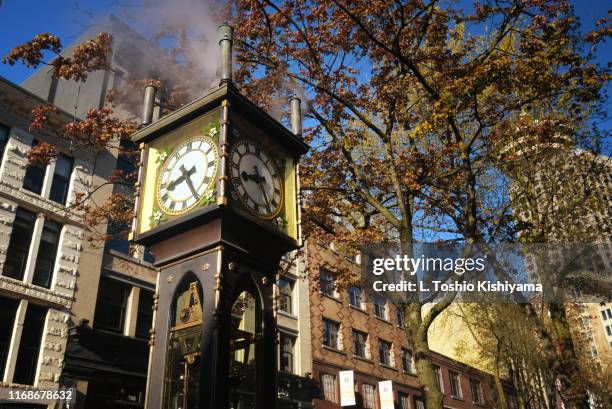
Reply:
x=186, y=175
x=256, y=179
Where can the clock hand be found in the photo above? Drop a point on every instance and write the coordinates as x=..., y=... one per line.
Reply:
x=172, y=185
x=255, y=177
x=187, y=177
x=265, y=196
x=261, y=181
x=175, y=182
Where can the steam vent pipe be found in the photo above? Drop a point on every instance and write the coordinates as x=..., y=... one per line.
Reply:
x=296, y=116
x=225, y=33
x=149, y=102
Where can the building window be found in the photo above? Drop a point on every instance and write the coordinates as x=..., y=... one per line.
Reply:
x=438, y=373
x=29, y=346
x=145, y=313
x=369, y=396
x=384, y=353
x=111, y=305
x=4, y=137
x=609, y=330
x=603, y=315
x=404, y=399
x=47, y=253
x=328, y=382
x=476, y=391
x=285, y=288
x=380, y=308
x=127, y=161
x=356, y=297
x=419, y=403
x=34, y=176
x=19, y=244
x=400, y=316
x=407, y=361
x=117, y=231
x=327, y=281
x=8, y=312
x=331, y=330
x=61, y=179
x=287, y=344
x=455, y=385
x=360, y=344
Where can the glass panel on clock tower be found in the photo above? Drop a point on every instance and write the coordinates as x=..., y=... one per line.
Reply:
x=182, y=380
x=244, y=331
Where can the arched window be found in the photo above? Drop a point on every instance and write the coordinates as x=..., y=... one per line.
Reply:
x=245, y=335
x=182, y=379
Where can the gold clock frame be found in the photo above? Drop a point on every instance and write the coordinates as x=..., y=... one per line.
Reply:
x=164, y=163
x=281, y=204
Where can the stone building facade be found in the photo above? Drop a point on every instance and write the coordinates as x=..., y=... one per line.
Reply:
x=41, y=249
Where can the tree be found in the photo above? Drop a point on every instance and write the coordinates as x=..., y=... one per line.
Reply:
x=509, y=348
x=409, y=103
x=97, y=133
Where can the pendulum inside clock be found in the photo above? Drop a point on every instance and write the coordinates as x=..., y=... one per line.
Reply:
x=182, y=377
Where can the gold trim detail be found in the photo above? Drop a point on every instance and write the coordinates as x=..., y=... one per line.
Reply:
x=162, y=168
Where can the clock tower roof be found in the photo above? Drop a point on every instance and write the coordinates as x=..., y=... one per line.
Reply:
x=214, y=97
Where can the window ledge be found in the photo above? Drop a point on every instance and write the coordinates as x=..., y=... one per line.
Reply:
x=39, y=204
x=336, y=299
x=458, y=398
x=409, y=373
x=386, y=321
x=287, y=314
x=361, y=310
x=388, y=367
x=332, y=349
x=363, y=358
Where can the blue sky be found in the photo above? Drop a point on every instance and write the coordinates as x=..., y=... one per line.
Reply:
x=22, y=19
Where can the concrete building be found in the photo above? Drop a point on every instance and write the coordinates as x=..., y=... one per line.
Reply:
x=352, y=330
x=293, y=320
x=132, y=57
x=41, y=250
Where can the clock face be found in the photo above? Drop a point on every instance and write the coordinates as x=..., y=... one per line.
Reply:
x=256, y=179
x=186, y=175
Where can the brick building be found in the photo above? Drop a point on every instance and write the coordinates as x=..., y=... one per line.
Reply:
x=364, y=333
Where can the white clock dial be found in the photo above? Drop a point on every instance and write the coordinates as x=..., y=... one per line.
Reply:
x=256, y=179
x=186, y=175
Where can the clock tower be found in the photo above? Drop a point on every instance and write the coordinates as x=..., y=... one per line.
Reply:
x=218, y=206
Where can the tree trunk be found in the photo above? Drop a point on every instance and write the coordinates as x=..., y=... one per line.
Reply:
x=417, y=334
x=567, y=374
x=426, y=372
x=501, y=394
x=569, y=388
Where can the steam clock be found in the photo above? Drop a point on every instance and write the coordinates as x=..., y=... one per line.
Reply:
x=217, y=206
